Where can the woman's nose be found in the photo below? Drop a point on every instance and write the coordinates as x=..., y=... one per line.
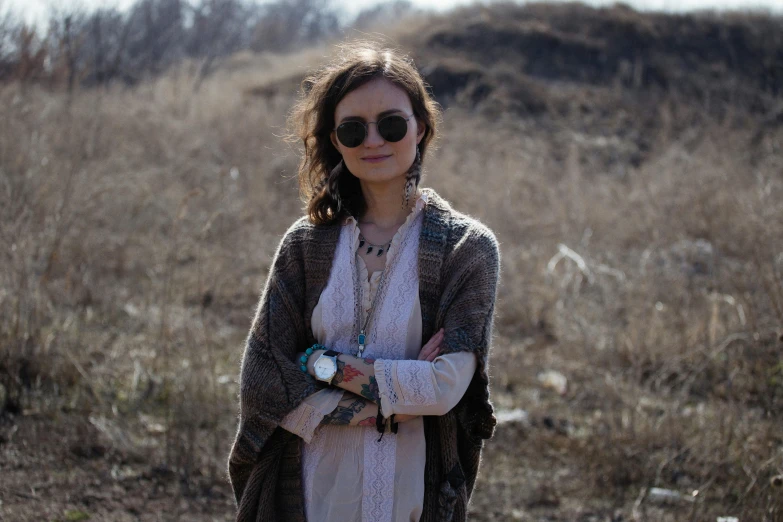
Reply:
x=374, y=138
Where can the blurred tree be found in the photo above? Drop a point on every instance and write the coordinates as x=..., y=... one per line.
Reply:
x=97, y=47
x=382, y=13
x=217, y=28
x=155, y=37
x=287, y=24
x=63, y=43
x=7, y=48
x=31, y=55
x=109, y=33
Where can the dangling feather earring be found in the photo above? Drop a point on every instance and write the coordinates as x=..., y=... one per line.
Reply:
x=412, y=178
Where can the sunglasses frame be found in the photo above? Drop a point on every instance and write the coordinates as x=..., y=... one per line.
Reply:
x=367, y=129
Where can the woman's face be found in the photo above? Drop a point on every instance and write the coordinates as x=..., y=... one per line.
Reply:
x=377, y=160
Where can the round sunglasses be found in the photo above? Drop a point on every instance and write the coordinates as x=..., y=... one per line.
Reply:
x=392, y=128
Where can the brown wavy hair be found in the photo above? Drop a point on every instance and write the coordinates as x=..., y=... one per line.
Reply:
x=312, y=120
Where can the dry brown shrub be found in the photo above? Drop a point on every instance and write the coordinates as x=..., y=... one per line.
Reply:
x=140, y=224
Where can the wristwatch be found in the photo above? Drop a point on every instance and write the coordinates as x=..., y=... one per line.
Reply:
x=326, y=366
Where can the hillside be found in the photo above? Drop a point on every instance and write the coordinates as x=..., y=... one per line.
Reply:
x=705, y=59
x=630, y=165
x=612, y=73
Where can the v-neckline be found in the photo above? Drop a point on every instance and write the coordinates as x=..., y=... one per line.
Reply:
x=370, y=274
x=433, y=241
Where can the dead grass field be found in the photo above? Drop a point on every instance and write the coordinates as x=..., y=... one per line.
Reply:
x=642, y=259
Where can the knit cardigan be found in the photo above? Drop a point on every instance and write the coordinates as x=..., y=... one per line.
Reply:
x=459, y=268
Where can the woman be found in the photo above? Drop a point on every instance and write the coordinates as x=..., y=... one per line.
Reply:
x=346, y=413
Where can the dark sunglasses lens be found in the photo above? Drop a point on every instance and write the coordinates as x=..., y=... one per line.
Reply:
x=350, y=133
x=393, y=128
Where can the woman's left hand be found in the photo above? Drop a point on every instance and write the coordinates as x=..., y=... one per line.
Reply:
x=432, y=349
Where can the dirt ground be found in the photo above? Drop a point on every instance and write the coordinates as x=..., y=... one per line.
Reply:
x=64, y=467
x=71, y=473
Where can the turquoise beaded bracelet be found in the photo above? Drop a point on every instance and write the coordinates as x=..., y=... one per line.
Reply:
x=308, y=353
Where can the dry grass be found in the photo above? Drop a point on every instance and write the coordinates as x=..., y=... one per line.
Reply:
x=138, y=226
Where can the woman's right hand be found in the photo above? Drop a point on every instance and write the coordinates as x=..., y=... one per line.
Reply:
x=432, y=349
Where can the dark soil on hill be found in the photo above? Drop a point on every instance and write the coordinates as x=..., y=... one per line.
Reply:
x=712, y=60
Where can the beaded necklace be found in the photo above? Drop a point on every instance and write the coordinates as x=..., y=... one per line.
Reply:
x=379, y=248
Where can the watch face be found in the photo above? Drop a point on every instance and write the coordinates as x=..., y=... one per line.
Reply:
x=325, y=368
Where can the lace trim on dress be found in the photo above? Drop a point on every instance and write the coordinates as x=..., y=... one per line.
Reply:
x=415, y=383
x=388, y=343
x=311, y=456
x=338, y=318
x=378, y=480
x=388, y=377
x=338, y=299
x=398, y=299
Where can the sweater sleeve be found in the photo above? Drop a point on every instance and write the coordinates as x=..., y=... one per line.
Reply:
x=270, y=383
x=466, y=312
x=421, y=387
x=305, y=418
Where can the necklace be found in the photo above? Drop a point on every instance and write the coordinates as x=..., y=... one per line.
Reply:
x=361, y=337
x=379, y=248
x=361, y=334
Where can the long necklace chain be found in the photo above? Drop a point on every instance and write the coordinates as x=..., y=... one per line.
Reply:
x=360, y=331
x=361, y=334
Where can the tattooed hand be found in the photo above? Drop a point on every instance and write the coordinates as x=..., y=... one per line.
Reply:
x=342, y=415
x=352, y=410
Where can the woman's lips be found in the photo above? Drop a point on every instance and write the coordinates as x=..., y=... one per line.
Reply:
x=375, y=159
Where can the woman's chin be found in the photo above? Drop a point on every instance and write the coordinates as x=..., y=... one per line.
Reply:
x=378, y=174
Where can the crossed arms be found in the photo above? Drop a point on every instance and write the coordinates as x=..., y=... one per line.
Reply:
x=431, y=385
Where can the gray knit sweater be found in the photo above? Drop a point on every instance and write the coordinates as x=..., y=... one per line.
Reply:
x=459, y=264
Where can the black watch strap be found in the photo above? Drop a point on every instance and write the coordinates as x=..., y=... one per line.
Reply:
x=331, y=353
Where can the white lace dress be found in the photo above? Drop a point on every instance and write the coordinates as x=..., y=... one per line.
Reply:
x=349, y=475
